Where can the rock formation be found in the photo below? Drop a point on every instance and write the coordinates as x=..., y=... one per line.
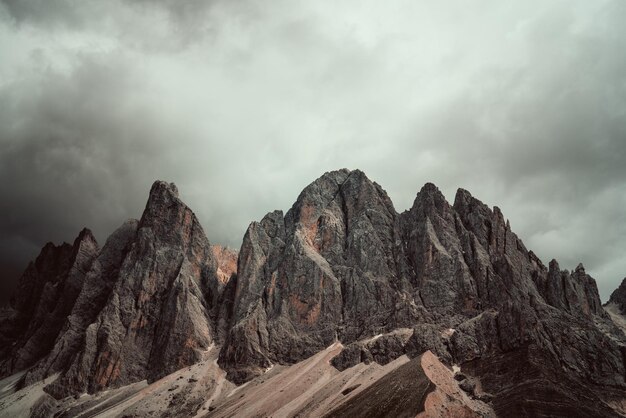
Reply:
x=144, y=307
x=340, y=266
x=618, y=297
x=44, y=298
x=98, y=284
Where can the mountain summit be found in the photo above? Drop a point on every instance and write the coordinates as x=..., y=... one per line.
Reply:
x=342, y=284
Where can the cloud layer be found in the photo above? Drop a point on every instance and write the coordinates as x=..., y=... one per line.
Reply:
x=242, y=104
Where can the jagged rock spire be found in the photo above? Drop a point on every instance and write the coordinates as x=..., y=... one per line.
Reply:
x=44, y=298
x=619, y=296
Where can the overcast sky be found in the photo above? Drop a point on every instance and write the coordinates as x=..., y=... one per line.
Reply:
x=243, y=103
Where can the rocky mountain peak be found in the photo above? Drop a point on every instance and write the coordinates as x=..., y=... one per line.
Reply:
x=85, y=235
x=163, y=188
x=429, y=200
x=340, y=269
x=576, y=292
x=148, y=303
x=618, y=296
x=463, y=198
x=44, y=298
x=554, y=266
x=162, y=202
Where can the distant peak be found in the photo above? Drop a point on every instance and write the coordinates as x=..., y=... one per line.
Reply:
x=430, y=199
x=429, y=191
x=429, y=187
x=554, y=265
x=160, y=187
x=161, y=195
x=619, y=296
x=273, y=216
x=163, y=200
x=342, y=175
x=85, y=233
x=462, y=197
x=329, y=182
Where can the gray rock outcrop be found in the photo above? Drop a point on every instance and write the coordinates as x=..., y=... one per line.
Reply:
x=43, y=300
x=340, y=265
x=343, y=264
x=618, y=297
x=145, y=305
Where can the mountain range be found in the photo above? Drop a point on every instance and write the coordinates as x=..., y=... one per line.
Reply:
x=340, y=307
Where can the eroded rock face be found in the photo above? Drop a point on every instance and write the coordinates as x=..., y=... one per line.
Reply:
x=401, y=393
x=156, y=319
x=144, y=306
x=618, y=297
x=226, y=261
x=98, y=285
x=343, y=264
x=340, y=265
x=44, y=298
x=382, y=349
x=332, y=267
x=574, y=292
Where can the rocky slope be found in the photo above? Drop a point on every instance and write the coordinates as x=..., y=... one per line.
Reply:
x=616, y=306
x=43, y=300
x=341, y=266
x=618, y=297
x=312, y=387
x=142, y=307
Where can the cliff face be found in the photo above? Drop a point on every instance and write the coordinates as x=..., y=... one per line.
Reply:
x=144, y=307
x=331, y=268
x=340, y=265
x=97, y=287
x=618, y=297
x=156, y=318
x=43, y=300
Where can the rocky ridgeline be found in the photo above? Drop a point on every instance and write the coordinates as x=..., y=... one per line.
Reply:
x=341, y=264
x=618, y=297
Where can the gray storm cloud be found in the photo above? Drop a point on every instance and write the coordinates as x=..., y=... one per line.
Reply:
x=242, y=104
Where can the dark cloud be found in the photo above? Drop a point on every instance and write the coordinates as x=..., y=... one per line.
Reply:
x=242, y=106
x=45, y=13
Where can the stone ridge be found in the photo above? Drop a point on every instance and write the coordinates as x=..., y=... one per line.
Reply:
x=340, y=265
x=619, y=296
x=44, y=298
x=343, y=265
x=308, y=278
x=156, y=319
x=145, y=305
x=97, y=288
